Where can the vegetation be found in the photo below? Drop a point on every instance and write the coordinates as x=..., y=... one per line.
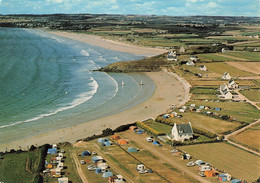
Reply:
x=252, y=94
x=148, y=129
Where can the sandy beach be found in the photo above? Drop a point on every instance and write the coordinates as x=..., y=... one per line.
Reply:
x=110, y=44
x=170, y=89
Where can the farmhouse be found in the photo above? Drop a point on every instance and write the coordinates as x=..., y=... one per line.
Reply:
x=232, y=84
x=172, y=58
x=202, y=68
x=194, y=58
x=226, y=76
x=181, y=132
x=190, y=63
x=225, y=92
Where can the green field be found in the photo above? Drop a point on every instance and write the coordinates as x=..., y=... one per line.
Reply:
x=221, y=67
x=249, y=137
x=158, y=126
x=237, y=162
x=213, y=57
x=241, y=111
x=252, y=94
x=19, y=167
x=252, y=56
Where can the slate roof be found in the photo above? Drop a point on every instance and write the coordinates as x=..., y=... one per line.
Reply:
x=184, y=128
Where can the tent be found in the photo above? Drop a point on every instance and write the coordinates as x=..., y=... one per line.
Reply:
x=199, y=162
x=132, y=149
x=140, y=131
x=133, y=128
x=52, y=151
x=156, y=143
x=106, y=143
x=85, y=153
x=122, y=141
x=100, y=140
x=116, y=137
x=209, y=173
x=236, y=181
x=98, y=170
x=107, y=174
x=96, y=159
x=63, y=180
x=222, y=177
x=217, y=109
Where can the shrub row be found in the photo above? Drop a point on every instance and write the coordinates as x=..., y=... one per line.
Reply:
x=148, y=129
x=105, y=133
x=179, y=143
x=235, y=129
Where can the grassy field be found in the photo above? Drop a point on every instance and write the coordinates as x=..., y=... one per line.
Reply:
x=158, y=126
x=221, y=67
x=213, y=57
x=69, y=164
x=216, y=83
x=241, y=111
x=238, y=163
x=252, y=94
x=252, y=56
x=19, y=167
x=250, y=137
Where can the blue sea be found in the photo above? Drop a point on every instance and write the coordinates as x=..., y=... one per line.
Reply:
x=47, y=82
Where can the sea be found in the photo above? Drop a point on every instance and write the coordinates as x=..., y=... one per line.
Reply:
x=48, y=82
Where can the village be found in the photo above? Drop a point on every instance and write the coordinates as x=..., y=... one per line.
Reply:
x=213, y=137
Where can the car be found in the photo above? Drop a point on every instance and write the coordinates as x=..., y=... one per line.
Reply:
x=174, y=150
x=149, y=139
x=82, y=162
x=191, y=163
x=202, y=174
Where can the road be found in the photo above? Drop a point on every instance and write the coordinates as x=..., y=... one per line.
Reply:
x=79, y=170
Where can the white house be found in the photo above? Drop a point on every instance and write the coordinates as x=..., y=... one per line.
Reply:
x=226, y=76
x=225, y=92
x=190, y=63
x=181, y=132
x=232, y=84
x=172, y=56
x=182, y=49
x=202, y=68
x=194, y=58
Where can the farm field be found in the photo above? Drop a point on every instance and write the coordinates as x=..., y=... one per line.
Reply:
x=19, y=167
x=213, y=57
x=252, y=94
x=216, y=83
x=221, y=67
x=237, y=162
x=249, y=137
x=253, y=67
x=251, y=56
x=240, y=110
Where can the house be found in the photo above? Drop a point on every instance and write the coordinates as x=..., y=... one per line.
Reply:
x=232, y=84
x=116, y=179
x=225, y=92
x=182, y=49
x=172, y=58
x=202, y=68
x=181, y=132
x=194, y=58
x=190, y=63
x=63, y=180
x=224, y=50
x=226, y=76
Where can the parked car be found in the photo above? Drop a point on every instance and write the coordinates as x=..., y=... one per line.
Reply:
x=149, y=139
x=82, y=162
x=190, y=164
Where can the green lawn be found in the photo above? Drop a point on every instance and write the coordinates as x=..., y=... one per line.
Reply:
x=241, y=111
x=252, y=56
x=19, y=167
x=252, y=94
x=158, y=126
x=221, y=67
x=213, y=57
x=237, y=162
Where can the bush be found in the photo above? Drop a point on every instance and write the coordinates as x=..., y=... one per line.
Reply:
x=149, y=129
x=123, y=127
x=204, y=132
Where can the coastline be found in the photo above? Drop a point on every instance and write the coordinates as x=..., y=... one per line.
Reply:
x=110, y=44
x=170, y=89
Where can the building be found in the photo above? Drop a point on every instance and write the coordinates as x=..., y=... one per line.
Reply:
x=172, y=56
x=232, y=84
x=190, y=63
x=182, y=49
x=202, y=68
x=224, y=50
x=226, y=76
x=181, y=132
x=225, y=92
x=194, y=58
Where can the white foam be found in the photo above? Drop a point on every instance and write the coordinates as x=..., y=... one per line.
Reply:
x=84, y=52
x=83, y=97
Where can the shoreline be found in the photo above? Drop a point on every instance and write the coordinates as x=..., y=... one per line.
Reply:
x=170, y=89
x=109, y=44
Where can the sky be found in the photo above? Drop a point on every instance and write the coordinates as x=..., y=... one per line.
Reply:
x=140, y=7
